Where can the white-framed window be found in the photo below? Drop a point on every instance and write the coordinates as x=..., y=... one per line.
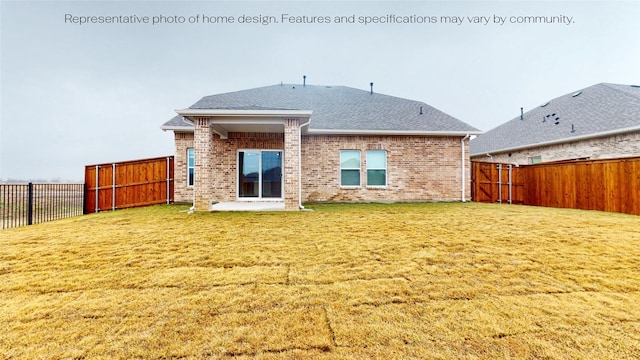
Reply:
x=376, y=168
x=191, y=168
x=349, y=167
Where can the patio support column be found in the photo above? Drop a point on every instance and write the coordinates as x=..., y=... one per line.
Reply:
x=291, y=163
x=203, y=148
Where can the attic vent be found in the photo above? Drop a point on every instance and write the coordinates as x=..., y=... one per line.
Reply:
x=576, y=94
x=545, y=104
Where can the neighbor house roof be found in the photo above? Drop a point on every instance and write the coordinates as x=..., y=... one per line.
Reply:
x=599, y=110
x=335, y=109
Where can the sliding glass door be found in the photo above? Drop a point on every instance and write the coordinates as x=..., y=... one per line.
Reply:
x=260, y=174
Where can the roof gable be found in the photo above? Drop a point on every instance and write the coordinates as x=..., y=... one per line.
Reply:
x=596, y=110
x=339, y=108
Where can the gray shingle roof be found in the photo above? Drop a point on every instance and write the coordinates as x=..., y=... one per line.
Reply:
x=337, y=108
x=177, y=122
x=598, y=109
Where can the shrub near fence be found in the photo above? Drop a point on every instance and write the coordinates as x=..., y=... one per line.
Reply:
x=26, y=204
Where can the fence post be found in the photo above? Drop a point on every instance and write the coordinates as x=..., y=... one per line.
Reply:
x=499, y=166
x=168, y=182
x=510, y=184
x=97, y=189
x=84, y=199
x=30, y=204
x=113, y=188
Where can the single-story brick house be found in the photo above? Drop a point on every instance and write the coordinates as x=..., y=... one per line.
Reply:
x=291, y=144
x=599, y=122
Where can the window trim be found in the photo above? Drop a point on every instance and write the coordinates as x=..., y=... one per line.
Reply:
x=386, y=182
x=260, y=197
x=189, y=167
x=359, y=169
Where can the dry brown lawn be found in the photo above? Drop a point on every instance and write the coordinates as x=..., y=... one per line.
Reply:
x=340, y=282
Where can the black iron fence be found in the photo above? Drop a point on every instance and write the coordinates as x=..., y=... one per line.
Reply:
x=26, y=204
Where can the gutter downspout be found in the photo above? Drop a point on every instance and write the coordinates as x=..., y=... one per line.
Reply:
x=300, y=164
x=463, y=172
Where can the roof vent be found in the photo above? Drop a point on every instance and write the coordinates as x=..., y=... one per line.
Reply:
x=521, y=113
x=545, y=104
x=304, y=80
x=371, y=84
x=557, y=121
x=635, y=86
x=420, y=110
x=576, y=94
x=573, y=129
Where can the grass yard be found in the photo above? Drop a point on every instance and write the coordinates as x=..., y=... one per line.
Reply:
x=341, y=282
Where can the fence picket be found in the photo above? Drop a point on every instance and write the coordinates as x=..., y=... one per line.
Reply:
x=129, y=184
x=606, y=184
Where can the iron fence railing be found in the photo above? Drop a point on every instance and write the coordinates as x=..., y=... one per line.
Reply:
x=27, y=204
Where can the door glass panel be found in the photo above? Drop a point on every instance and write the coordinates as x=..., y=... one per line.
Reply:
x=249, y=174
x=271, y=174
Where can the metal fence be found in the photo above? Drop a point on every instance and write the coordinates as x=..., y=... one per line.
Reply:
x=27, y=204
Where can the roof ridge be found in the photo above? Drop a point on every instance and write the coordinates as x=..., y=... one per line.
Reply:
x=608, y=85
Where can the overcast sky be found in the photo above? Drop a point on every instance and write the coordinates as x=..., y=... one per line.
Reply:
x=78, y=94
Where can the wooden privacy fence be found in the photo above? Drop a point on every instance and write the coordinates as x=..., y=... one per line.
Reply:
x=119, y=185
x=606, y=185
x=493, y=182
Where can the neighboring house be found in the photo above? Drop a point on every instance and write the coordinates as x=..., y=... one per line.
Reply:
x=291, y=144
x=601, y=121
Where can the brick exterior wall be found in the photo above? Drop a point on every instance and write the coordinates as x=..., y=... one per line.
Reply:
x=608, y=147
x=419, y=168
x=204, y=163
x=291, y=164
x=182, y=192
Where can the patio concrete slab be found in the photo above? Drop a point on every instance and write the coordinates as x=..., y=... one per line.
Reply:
x=248, y=206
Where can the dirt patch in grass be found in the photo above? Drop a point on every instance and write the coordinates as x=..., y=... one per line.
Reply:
x=343, y=281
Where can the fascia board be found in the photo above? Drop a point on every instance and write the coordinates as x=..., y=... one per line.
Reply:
x=252, y=113
x=177, y=128
x=390, y=132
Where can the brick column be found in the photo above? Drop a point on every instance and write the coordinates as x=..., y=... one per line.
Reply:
x=291, y=164
x=203, y=149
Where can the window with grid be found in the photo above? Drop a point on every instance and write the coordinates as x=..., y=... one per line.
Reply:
x=349, y=167
x=376, y=168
